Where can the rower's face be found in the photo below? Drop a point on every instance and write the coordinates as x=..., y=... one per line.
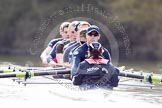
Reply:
x=92, y=37
x=72, y=34
x=80, y=28
x=83, y=39
x=65, y=34
x=80, y=38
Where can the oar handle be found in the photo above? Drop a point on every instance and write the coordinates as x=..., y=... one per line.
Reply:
x=63, y=65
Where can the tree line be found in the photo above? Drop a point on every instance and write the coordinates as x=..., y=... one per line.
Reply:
x=26, y=24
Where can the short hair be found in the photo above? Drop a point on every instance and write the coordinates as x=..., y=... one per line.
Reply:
x=64, y=25
x=73, y=24
x=82, y=23
x=82, y=32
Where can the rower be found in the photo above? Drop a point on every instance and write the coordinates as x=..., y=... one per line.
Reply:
x=80, y=39
x=72, y=39
x=57, y=52
x=78, y=26
x=63, y=33
x=96, y=71
x=80, y=54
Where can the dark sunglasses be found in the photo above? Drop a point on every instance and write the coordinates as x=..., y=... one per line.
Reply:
x=94, y=34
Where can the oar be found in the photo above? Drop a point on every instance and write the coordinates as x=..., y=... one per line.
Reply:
x=42, y=68
x=64, y=65
x=29, y=74
x=28, y=68
x=149, y=78
x=25, y=83
x=13, y=68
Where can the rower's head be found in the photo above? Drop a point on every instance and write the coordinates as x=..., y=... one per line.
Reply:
x=71, y=30
x=95, y=50
x=82, y=35
x=93, y=34
x=64, y=30
x=81, y=26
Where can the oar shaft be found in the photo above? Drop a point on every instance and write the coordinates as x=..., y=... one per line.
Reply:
x=43, y=68
x=130, y=75
x=23, y=69
x=7, y=75
x=55, y=72
x=29, y=74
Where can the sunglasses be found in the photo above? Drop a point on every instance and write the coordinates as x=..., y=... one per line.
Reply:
x=94, y=34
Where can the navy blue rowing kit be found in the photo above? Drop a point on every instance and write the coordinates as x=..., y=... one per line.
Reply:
x=96, y=72
x=81, y=53
x=67, y=50
x=54, y=41
x=56, y=48
x=68, y=45
x=70, y=55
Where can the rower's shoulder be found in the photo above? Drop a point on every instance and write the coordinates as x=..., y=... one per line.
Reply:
x=70, y=45
x=106, y=52
x=65, y=42
x=56, y=40
x=80, y=50
x=70, y=48
x=74, y=46
x=105, y=49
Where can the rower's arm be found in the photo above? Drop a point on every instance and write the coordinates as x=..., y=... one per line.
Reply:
x=77, y=79
x=75, y=62
x=67, y=65
x=114, y=78
x=51, y=56
x=44, y=54
x=59, y=52
x=66, y=53
x=107, y=55
x=48, y=49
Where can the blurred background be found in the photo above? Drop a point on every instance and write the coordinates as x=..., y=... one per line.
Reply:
x=26, y=25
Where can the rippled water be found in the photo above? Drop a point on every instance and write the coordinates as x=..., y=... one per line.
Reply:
x=130, y=93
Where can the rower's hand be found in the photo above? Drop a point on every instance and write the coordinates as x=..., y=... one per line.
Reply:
x=52, y=64
x=44, y=62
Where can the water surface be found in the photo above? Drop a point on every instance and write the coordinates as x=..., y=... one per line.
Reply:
x=130, y=93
